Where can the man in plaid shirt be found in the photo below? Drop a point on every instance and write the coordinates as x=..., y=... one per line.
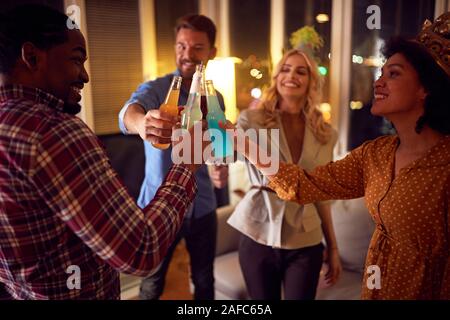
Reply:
x=62, y=206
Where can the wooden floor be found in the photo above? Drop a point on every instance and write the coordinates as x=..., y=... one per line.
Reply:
x=177, y=279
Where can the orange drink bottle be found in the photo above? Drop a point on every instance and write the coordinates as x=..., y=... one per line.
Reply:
x=170, y=105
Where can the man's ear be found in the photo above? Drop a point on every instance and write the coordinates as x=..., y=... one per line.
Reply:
x=212, y=53
x=30, y=56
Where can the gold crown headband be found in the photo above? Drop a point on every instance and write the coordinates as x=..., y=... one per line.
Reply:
x=436, y=39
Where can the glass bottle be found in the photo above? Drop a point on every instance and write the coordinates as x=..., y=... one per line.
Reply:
x=192, y=111
x=170, y=105
x=221, y=141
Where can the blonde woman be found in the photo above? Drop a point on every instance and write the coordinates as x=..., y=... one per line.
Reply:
x=281, y=248
x=405, y=177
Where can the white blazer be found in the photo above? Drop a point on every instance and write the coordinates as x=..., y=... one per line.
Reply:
x=264, y=217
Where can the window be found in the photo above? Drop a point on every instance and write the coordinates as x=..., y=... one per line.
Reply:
x=249, y=41
x=166, y=13
x=399, y=17
x=316, y=13
x=306, y=13
x=114, y=57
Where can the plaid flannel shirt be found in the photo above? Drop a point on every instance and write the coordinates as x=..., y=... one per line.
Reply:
x=62, y=205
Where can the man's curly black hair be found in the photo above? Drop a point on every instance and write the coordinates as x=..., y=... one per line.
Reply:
x=43, y=26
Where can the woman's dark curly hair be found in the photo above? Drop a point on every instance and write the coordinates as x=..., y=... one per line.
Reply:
x=432, y=77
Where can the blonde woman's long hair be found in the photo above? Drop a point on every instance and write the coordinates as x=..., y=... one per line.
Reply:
x=314, y=119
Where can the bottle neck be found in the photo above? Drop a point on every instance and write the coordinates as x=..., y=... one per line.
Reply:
x=196, y=81
x=174, y=89
x=209, y=88
x=211, y=96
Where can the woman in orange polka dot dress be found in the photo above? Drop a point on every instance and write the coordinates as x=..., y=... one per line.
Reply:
x=405, y=178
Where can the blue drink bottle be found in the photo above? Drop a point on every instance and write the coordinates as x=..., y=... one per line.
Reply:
x=221, y=141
